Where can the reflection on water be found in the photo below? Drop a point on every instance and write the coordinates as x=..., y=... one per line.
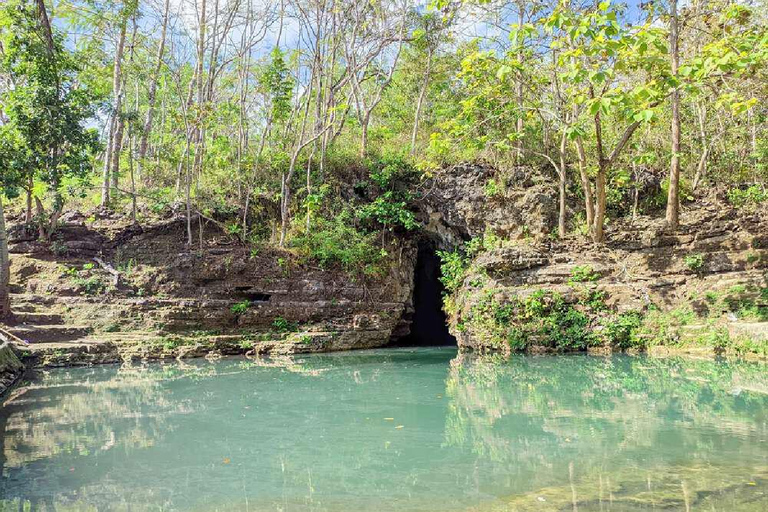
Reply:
x=421, y=430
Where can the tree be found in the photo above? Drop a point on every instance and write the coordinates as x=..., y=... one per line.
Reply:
x=673, y=197
x=13, y=164
x=598, y=52
x=46, y=109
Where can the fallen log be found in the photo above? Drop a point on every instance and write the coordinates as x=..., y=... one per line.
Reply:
x=9, y=337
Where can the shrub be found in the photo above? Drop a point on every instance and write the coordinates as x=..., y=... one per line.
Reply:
x=336, y=241
x=390, y=210
x=492, y=188
x=694, y=262
x=282, y=325
x=241, y=307
x=752, y=195
x=543, y=318
x=90, y=285
x=595, y=300
x=718, y=338
x=619, y=331
x=453, y=268
x=583, y=273
x=390, y=207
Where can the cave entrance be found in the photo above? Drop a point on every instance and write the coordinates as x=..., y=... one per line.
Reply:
x=429, y=326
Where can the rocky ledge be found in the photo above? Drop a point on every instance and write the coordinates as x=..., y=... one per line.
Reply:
x=704, y=286
x=97, y=295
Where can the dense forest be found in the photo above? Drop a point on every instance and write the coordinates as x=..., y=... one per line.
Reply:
x=310, y=124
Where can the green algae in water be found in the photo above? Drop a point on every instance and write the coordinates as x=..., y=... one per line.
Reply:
x=414, y=430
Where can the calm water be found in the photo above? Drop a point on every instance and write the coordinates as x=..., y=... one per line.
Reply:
x=415, y=430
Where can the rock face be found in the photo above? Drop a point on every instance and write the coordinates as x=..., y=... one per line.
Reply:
x=704, y=285
x=172, y=301
x=10, y=367
x=106, y=290
x=466, y=201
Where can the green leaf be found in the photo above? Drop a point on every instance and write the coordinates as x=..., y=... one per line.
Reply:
x=503, y=71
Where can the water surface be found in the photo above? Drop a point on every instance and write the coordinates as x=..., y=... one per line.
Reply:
x=403, y=429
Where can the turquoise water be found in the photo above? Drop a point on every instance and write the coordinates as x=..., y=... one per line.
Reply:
x=401, y=429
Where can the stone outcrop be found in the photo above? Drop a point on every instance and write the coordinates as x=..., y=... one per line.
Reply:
x=172, y=301
x=10, y=367
x=107, y=290
x=707, y=282
x=458, y=204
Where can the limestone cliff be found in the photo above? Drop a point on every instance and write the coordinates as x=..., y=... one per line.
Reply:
x=106, y=290
x=111, y=291
x=705, y=285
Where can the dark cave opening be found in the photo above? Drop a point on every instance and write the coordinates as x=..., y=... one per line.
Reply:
x=246, y=292
x=429, y=327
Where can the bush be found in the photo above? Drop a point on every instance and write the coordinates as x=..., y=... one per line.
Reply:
x=619, y=331
x=753, y=195
x=390, y=210
x=241, y=307
x=543, y=318
x=452, y=269
x=282, y=325
x=694, y=262
x=583, y=273
x=337, y=241
x=392, y=175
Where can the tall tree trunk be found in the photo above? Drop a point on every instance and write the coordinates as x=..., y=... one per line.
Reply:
x=117, y=82
x=519, y=90
x=561, y=230
x=586, y=185
x=420, y=101
x=364, y=135
x=673, y=198
x=28, y=211
x=701, y=168
x=45, y=23
x=5, y=268
x=199, y=134
x=152, y=93
x=118, y=145
x=131, y=174
x=602, y=170
x=598, y=229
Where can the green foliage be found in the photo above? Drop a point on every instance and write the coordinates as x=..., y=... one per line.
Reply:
x=452, y=269
x=594, y=300
x=388, y=211
x=619, y=330
x=392, y=174
x=281, y=325
x=663, y=327
x=390, y=170
x=46, y=108
x=694, y=262
x=278, y=83
x=751, y=196
x=240, y=307
x=492, y=188
x=747, y=302
x=583, y=273
x=83, y=278
x=542, y=319
x=337, y=241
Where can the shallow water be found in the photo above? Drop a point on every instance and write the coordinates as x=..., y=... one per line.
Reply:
x=400, y=429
